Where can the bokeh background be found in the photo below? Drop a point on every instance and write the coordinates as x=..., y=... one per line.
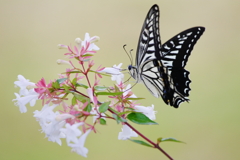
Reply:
x=210, y=124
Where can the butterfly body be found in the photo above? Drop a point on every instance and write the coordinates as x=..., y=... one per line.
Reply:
x=161, y=67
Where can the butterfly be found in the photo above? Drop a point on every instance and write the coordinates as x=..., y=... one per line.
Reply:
x=161, y=67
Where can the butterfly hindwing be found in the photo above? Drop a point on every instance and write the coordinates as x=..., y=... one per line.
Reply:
x=181, y=81
x=151, y=77
x=175, y=52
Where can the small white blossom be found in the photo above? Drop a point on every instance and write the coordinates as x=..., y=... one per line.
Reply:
x=72, y=132
x=116, y=73
x=46, y=115
x=23, y=83
x=126, y=133
x=50, y=126
x=91, y=96
x=53, y=131
x=30, y=97
x=90, y=40
x=79, y=146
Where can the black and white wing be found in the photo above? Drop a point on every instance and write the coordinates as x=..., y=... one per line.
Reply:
x=146, y=58
x=175, y=53
x=149, y=40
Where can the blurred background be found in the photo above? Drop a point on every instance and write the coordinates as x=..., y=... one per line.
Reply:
x=210, y=124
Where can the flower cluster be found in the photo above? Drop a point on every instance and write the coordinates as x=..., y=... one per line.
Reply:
x=79, y=101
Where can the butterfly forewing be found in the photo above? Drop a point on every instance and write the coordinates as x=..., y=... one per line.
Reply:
x=149, y=40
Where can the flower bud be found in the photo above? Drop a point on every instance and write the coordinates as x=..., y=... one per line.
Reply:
x=61, y=117
x=62, y=46
x=78, y=41
x=60, y=61
x=94, y=39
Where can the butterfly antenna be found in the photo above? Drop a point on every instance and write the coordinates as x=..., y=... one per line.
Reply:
x=131, y=86
x=130, y=57
x=127, y=79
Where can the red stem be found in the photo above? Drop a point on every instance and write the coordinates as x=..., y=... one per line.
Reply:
x=86, y=75
x=144, y=137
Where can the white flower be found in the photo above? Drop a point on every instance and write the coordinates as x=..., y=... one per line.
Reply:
x=91, y=96
x=119, y=76
x=30, y=97
x=126, y=133
x=53, y=131
x=50, y=126
x=26, y=94
x=115, y=71
x=79, y=146
x=46, y=115
x=90, y=40
x=23, y=84
x=147, y=111
x=72, y=132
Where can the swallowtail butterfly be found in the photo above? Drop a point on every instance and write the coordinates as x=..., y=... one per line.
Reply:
x=161, y=67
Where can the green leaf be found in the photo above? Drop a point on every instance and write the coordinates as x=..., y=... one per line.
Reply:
x=116, y=116
x=74, y=100
x=119, y=119
x=80, y=97
x=88, y=108
x=134, y=98
x=109, y=93
x=102, y=121
x=65, y=96
x=73, y=72
x=86, y=60
x=141, y=142
x=126, y=112
x=86, y=55
x=140, y=118
x=66, y=88
x=129, y=108
x=169, y=140
x=100, y=73
x=113, y=110
x=100, y=88
x=74, y=81
x=81, y=85
x=104, y=107
x=61, y=80
x=56, y=85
